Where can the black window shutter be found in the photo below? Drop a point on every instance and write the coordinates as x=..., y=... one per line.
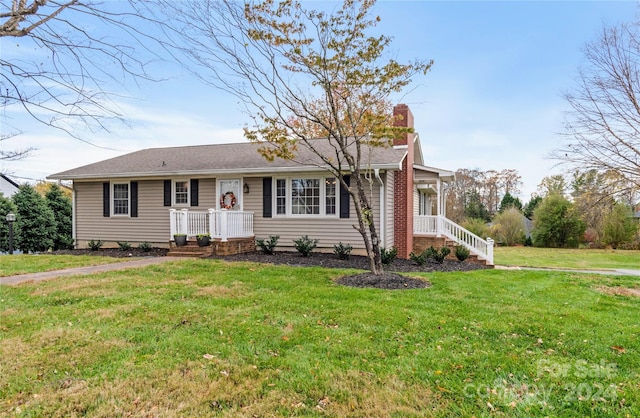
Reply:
x=344, y=198
x=194, y=192
x=167, y=192
x=134, y=199
x=106, y=199
x=266, y=197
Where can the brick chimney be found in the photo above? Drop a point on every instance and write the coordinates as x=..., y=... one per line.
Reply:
x=403, y=185
x=402, y=117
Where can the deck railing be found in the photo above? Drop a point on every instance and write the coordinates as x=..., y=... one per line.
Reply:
x=220, y=224
x=441, y=226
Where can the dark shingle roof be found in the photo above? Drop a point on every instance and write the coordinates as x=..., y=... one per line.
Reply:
x=217, y=159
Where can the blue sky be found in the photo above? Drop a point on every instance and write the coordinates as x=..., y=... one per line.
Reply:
x=493, y=99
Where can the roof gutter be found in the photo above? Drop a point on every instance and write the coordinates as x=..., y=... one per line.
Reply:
x=200, y=173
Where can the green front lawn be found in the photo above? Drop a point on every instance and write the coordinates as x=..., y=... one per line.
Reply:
x=567, y=258
x=205, y=337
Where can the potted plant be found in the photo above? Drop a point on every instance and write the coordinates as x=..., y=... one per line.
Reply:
x=180, y=239
x=203, y=239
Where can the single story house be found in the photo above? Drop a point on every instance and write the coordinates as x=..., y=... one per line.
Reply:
x=233, y=193
x=8, y=187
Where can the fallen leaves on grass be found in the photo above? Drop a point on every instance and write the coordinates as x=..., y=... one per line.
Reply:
x=619, y=291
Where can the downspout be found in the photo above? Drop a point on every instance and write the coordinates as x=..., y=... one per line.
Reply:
x=383, y=225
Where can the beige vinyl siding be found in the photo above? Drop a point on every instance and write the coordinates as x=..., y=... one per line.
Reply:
x=151, y=225
x=329, y=230
x=389, y=208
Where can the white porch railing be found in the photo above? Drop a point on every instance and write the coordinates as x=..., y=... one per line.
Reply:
x=441, y=226
x=220, y=224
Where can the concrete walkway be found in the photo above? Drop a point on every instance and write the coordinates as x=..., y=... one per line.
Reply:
x=36, y=277
x=613, y=272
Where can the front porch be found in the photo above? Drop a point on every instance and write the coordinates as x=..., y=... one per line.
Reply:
x=436, y=226
x=231, y=232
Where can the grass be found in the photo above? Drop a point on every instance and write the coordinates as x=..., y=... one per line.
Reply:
x=567, y=258
x=205, y=337
x=22, y=264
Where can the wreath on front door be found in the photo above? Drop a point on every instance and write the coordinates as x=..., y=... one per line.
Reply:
x=232, y=200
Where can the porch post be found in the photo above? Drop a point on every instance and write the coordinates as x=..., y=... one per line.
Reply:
x=490, y=243
x=172, y=223
x=212, y=223
x=184, y=227
x=439, y=205
x=224, y=230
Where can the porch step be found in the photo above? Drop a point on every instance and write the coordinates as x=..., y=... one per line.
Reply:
x=190, y=250
x=230, y=247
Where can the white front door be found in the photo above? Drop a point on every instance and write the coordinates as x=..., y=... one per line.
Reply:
x=229, y=194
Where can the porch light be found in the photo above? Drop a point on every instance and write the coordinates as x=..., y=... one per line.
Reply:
x=11, y=218
x=245, y=188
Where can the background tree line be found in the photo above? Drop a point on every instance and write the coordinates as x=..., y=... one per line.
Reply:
x=587, y=207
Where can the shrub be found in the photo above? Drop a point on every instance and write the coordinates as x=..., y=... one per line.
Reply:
x=305, y=245
x=419, y=259
x=619, y=226
x=439, y=256
x=342, y=251
x=388, y=255
x=124, y=245
x=268, y=247
x=557, y=223
x=430, y=253
x=145, y=246
x=509, y=227
x=462, y=252
x=95, y=245
x=476, y=226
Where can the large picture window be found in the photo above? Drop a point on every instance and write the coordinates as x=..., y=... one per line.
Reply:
x=306, y=196
x=121, y=198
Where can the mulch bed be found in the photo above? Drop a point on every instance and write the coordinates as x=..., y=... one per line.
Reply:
x=389, y=280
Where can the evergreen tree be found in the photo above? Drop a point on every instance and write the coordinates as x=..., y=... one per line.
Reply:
x=556, y=223
x=509, y=201
x=474, y=207
x=530, y=207
x=6, y=206
x=62, y=212
x=34, y=219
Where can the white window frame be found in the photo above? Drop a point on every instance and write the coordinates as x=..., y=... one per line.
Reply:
x=112, y=199
x=289, y=197
x=174, y=191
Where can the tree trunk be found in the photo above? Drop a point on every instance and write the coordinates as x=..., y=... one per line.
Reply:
x=367, y=227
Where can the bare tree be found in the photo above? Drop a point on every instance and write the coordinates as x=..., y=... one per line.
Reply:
x=301, y=75
x=603, y=126
x=488, y=187
x=58, y=56
x=12, y=155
